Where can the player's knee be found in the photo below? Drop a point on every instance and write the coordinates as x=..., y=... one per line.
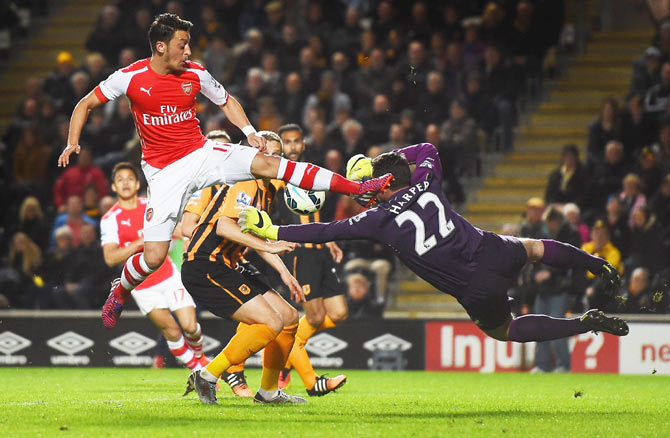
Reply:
x=315, y=317
x=189, y=325
x=275, y=321
x=154, y=258
x=171, y=332
x=339, y=316
x=292, y=316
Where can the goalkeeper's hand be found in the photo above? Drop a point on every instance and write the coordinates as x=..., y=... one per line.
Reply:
x=359, y=167
x=252, y=220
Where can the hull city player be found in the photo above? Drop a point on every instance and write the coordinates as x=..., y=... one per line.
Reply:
x=475, y=266
x=314, y=268
x=176, y=159
x=163, y=291
x=214, y=273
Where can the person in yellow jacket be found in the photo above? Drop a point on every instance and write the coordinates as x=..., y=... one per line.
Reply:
x=601, y=246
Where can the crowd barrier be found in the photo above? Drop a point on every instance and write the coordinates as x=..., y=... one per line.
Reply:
x=75, y=338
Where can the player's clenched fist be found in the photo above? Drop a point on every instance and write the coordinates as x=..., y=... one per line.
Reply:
x=252, y=220
x=64, y=158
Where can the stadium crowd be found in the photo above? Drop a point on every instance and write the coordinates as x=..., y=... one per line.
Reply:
x=359, y=77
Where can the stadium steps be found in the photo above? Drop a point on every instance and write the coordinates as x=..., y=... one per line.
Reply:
x=68, y=26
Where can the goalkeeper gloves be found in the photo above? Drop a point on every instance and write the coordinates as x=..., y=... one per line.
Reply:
x=252, y=220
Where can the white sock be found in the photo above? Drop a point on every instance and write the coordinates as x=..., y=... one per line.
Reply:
x=268, y=395
x=208, y=376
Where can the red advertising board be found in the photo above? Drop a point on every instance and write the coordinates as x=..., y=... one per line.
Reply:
x=461, y=346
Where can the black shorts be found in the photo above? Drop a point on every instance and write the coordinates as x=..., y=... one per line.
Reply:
x=316, y=272
x=499, y=261
x=218, y=288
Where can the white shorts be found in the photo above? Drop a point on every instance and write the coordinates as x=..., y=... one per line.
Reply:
x=168, y=294
x=171, y=187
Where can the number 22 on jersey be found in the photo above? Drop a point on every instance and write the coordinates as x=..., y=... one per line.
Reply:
x=422, y=244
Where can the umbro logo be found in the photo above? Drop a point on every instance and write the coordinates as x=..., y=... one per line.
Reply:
x=146, y=91
x=387, y=342
x=125, y=222
x=11, y=343
x=324, y=344
x=132, y=343
x=70, y=343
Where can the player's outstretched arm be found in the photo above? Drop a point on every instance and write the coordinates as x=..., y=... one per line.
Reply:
x=361, y=226
x=77, y=122
x=257, y=222
x=235, y=113
x=228, y=228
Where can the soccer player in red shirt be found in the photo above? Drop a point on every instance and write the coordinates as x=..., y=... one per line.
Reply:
x=177, y=159
x=163, y=292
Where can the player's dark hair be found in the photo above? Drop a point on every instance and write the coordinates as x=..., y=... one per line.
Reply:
x=164, y=27
x=393, y=163
x=290, y=127
x=124, y=165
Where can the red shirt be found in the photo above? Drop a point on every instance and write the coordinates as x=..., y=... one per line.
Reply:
x=124, y=226
x=75, y=179
x=163, y=107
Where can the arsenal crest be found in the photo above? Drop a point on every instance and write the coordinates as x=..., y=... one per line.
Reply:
x=150, y=214
x=187, y=88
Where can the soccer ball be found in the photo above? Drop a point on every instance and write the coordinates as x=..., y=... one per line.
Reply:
x=303, y=202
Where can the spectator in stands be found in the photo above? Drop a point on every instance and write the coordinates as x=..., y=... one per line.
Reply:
x=272, y=77
x=48, y=118
x=250, y=55
x=76, y=178
x=135, y=35
x=327, y=98
x=649, y=171
x=309, y=72
x=106, y=38
x=288, y=49
x=360, y=298
x=317, y=143
x=402, y=98
x=292, y=97
x=459, y=140
x=57, y=84
x=96, y=66
x=80, y=85
x=396, y=138
x=473, y=47
x=334, y=161
x=74, y=218
x=373, y=79
x=566, y=183
x=376, y=259
x=657, y=100
x=532, y=226
x=638, y=128
x=127, y=56
x=31, y=157
x=352, y=132
x=572, y=214
x=603, y=130
x=606, y=178
x=646, y=71
x=554, y=291
x=637, y=296
x=345, y=38
x=631, y=196
x=659, y=204
x=218, y=58
x=617, y=223
x=415, y=66
x=32, y=221
x=28, y=117
x=433, y=102
x=96, y=132
x=662, y=149
x=601, y=246
x=25, y=258
x=378, y=122
x=646, y=247
x=85, y=275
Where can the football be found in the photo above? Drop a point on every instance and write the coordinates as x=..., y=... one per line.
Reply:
x=303, y=202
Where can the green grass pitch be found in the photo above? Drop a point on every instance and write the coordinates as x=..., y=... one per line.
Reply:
x=96, y=402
